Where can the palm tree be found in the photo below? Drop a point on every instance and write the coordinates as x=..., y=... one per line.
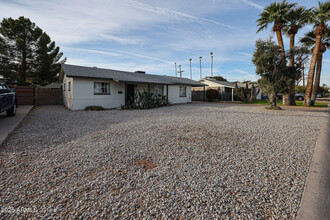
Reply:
x=176, y=72
x=320, y=15
x=295, y=19
x=200, y=66
x=276, y=13
x=211, y=63
x=190, y=68
x=309, y=41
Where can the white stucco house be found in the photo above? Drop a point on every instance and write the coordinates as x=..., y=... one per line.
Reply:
x=92, y=86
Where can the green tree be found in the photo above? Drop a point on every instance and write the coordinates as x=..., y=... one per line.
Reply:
x=48, y=63
x=218, y=78
x=300, y=89
x=24, y=44
x=270, y=62
x=295, y=19
x=276, y=13
x=309, y=41
x=320, y=15
x=5, y=68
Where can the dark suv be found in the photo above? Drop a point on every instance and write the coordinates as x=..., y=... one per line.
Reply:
x=8, y=100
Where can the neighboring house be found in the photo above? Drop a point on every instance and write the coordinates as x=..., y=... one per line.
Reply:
x=226, y=89
x=87, y=86
x=243, y=85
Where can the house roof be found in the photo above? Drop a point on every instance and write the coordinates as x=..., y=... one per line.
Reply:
x=222, y=83
x=124, y=76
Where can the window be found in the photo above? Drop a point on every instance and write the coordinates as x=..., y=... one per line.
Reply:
x=63, y=86
x=69, y=86
x=228, y=90
x=101, y=88
x=158, y=90
x=183, y=91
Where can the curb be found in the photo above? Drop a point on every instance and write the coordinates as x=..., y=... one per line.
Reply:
x=315, y=202
x=13, y=129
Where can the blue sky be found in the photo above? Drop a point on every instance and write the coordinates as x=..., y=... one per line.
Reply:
x=151, y=35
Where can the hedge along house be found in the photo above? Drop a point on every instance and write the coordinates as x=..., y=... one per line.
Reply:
x=92, y=86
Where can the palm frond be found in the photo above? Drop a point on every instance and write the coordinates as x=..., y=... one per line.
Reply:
x=275, y=11
x=321, y=14
x=297, y=17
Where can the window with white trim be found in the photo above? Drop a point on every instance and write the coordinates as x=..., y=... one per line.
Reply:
x=69, y=86
x=183, y=91
x=101, y=88
x=63, y=86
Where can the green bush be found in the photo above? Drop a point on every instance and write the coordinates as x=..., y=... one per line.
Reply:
x=146, y=100
x=212, y=94
x=94, y=108
x=300, y=89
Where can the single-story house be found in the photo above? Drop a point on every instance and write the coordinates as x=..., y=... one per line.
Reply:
x=87, y=86
x=226, y=89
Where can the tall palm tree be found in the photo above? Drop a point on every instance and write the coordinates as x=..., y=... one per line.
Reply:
x=176, y=72
x=320, y=15
x=200, y=66
x=295, y=19
x=211, y=63
x=190, y=68
x=309, y=41
x=276, y=13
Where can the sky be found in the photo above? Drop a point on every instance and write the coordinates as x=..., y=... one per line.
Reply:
x=152, y=35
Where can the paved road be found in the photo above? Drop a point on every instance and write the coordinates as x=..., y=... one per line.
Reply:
x=8, y=124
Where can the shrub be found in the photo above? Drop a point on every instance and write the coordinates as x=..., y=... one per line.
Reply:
x=212, y=94
x=146, y=100
x=94, y=108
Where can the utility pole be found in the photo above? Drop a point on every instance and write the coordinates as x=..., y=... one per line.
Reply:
x=200, y=67
x=190, y=68
x=211, y=63
x=180, y=71
x=176, y=72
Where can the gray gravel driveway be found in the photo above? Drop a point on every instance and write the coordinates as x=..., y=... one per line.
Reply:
x=183, y=161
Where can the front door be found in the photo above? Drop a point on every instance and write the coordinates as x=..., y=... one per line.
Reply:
x=130, y=93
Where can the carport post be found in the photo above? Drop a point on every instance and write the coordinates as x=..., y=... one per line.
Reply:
x=232, y=94
x=167, y=92
x=204, y=93
x=125, y=93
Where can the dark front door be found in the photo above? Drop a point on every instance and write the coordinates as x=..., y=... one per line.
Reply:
x=130, y=93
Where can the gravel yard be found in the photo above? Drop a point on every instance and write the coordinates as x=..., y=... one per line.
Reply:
x=183, y=161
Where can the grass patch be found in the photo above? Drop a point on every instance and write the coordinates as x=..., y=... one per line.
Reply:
x=279, y=103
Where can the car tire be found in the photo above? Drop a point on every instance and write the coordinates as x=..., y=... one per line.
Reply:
x=300, y=98
x=12, y=111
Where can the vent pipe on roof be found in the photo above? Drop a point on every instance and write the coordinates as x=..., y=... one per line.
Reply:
x=142, y=72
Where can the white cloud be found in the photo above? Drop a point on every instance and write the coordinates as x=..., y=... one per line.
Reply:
x=253, y=4
x=116, y=53
x=122, y=39
x=173, y=13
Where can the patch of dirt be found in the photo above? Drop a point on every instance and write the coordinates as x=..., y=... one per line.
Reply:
x=145, y=164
